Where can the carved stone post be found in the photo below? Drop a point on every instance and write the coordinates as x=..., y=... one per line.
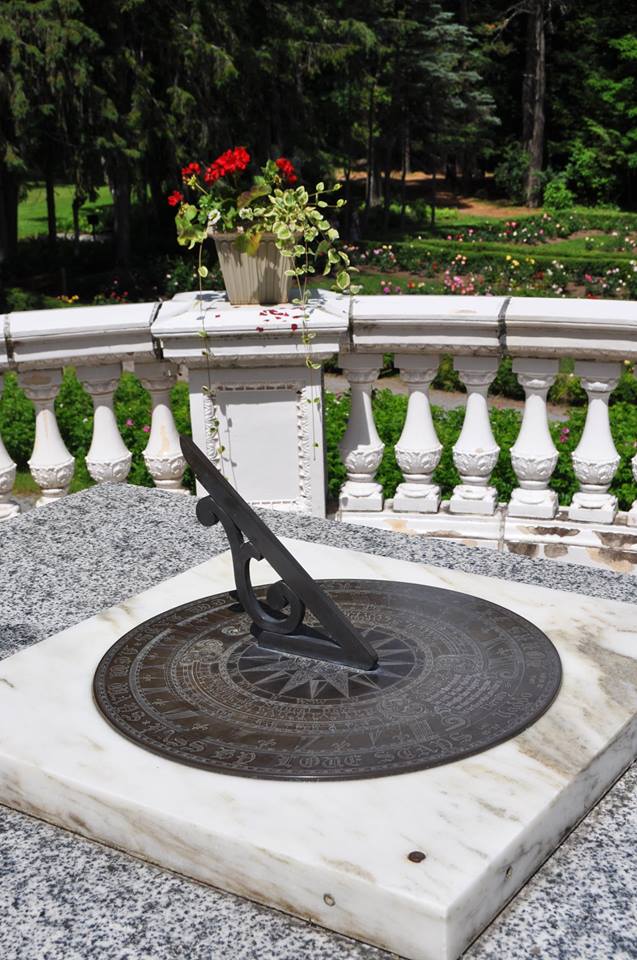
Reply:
x=632, y=514
x=51, y=464
x=108, y=459
x=7, y=479
x=595, y=460
x=418, y=449
x=475, y=453
x=162, y=455
x=361, y=447
x=533, y=454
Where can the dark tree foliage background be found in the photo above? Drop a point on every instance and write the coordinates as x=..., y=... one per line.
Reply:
x=125, y=92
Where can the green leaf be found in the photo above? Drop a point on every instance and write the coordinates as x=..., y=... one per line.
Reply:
x=254, y=239
x=202, y=271
x=342, y=280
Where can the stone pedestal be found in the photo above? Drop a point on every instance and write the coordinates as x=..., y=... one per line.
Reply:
x=256, y=390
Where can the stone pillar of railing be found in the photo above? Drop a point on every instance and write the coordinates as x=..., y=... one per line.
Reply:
x=475, y=452
x=533, y=454
x=595, y=459
x=108, y=458
x=418, y=450
x=361, y=447
x=632, y=513
x=51, y=464
x=7, y=478
x=163, y=456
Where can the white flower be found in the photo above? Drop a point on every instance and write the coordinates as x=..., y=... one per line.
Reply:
x=213, y=217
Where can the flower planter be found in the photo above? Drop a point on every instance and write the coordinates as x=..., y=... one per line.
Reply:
x=253, y=279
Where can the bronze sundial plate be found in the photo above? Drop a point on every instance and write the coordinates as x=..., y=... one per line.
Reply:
x=456, y=675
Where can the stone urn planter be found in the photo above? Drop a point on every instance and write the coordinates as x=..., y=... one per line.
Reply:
x=253, y=279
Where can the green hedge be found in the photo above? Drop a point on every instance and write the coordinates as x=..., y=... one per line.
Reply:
x=74, y=410
x=389, y=414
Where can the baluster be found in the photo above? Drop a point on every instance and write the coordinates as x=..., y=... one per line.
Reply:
x=7, y=478
x=361, y=447
x=108, y=459
x=632, y=513
x=533, y=454
x=595, y=460
x=162, y=455
x=51, y=464
x=418, y=450
x=475, y=453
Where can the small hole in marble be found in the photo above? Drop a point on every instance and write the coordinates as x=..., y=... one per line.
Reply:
x=416, y=856
x=509, y=873
x=329, y=900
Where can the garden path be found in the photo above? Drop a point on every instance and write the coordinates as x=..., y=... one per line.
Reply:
x=447, y=399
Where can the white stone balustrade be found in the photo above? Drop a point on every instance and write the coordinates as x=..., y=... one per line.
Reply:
x=361, y=447
x=534, y=455
x=418, y=450
x=51, y=464
x=163, y=456
x=108, y=458
x=596, y=459
x=256, y=406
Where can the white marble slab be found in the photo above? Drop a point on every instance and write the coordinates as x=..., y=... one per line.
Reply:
x=334, y=853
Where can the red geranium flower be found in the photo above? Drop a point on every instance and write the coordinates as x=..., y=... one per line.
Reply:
x=232, y=161
x=175, y=198
x=191, y=169
x=287, y=169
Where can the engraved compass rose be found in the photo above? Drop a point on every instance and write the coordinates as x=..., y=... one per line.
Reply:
x=321, y=680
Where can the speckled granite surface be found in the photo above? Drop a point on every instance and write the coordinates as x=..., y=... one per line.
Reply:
x=65, y=898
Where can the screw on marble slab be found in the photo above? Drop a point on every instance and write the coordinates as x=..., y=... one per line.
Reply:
x=416, y=856
x=329, y=899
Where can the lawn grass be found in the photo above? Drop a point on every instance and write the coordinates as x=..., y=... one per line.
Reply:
x=32, y=219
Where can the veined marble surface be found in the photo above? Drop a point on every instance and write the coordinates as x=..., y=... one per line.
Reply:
x=485, y=823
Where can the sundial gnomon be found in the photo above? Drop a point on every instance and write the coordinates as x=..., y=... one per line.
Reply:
x=336, y=679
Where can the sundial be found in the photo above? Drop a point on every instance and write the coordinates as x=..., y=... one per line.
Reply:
x=321, y=680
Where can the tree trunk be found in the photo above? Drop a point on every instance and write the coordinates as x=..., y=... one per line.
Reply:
x=433, y=196
x=403, y=174
x=371, y=192
x=120, y=188
x=78, y=200
x=50, y=208
x=537, y=40
x=389, y=147
x=8, y=215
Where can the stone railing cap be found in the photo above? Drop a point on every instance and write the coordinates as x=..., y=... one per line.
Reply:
x=421, y=308
x=434, y=324
x=586, y=329
x=41, y=338
x=183, y=315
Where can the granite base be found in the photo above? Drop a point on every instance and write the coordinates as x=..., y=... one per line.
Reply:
x=485, y=823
